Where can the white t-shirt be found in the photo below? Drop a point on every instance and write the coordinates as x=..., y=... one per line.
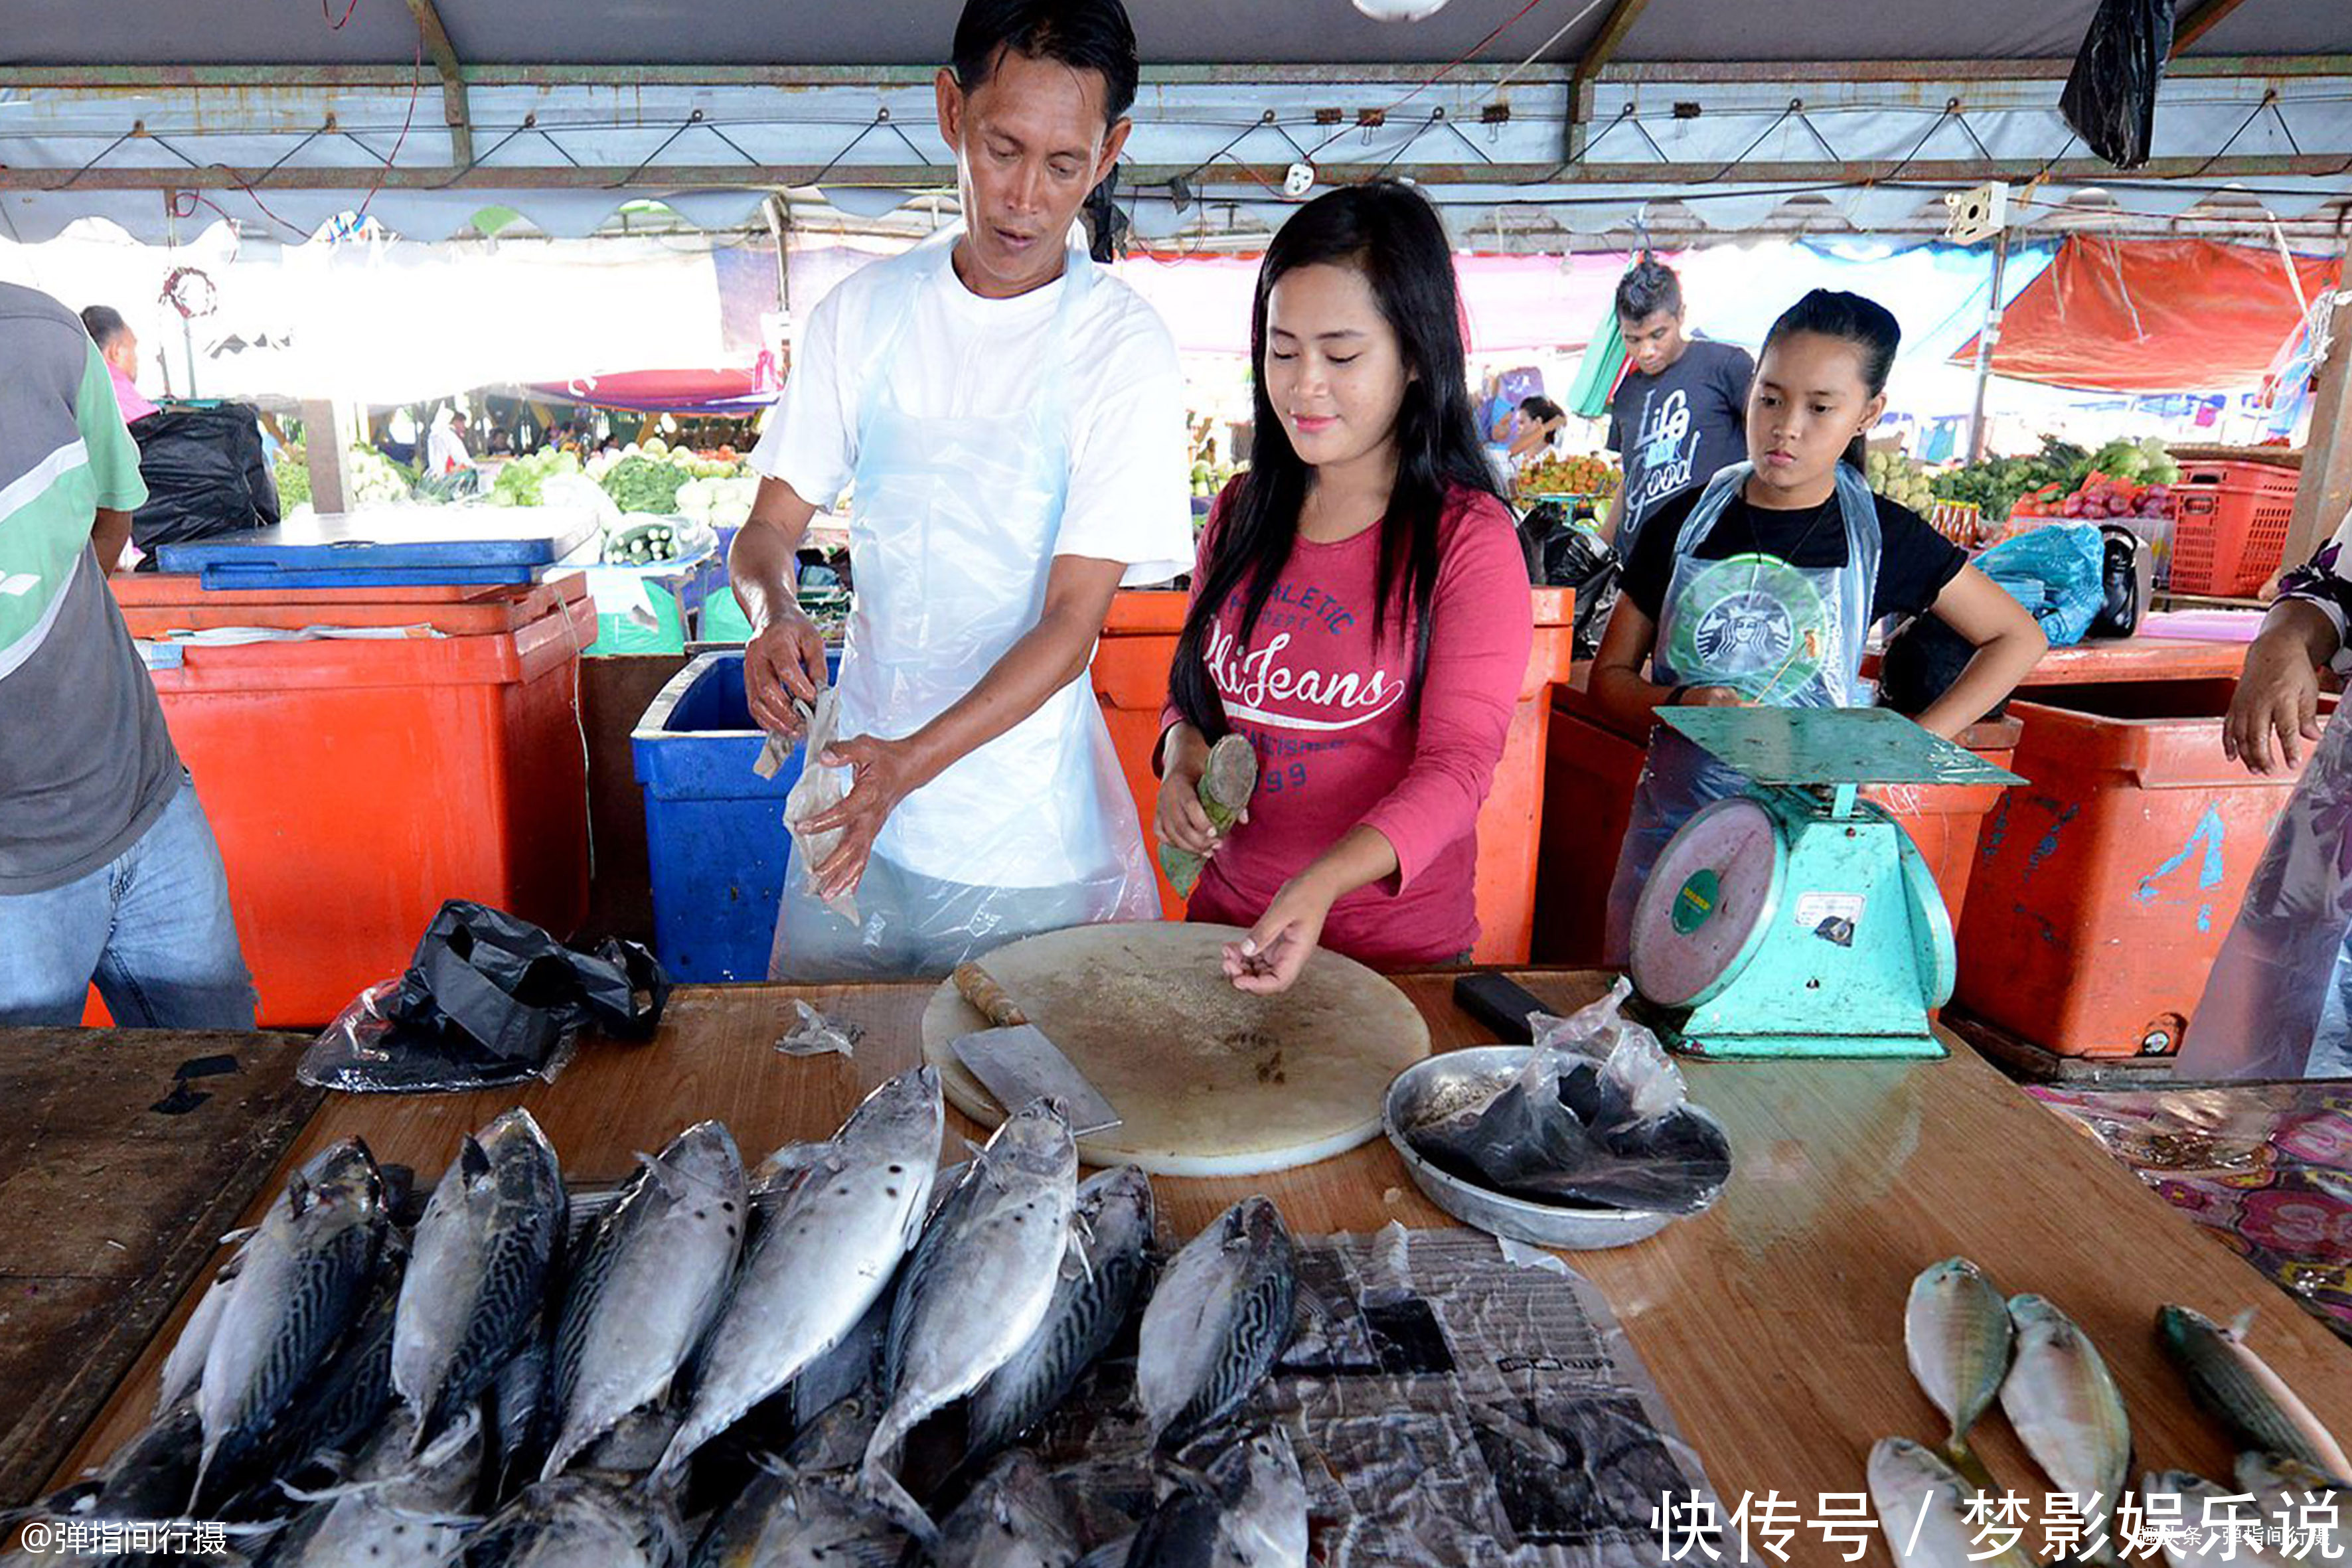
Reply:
x=1130, y=498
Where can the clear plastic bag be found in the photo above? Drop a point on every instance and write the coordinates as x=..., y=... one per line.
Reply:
x=487, y=1000
x=1598, y=1117
x=818, y=789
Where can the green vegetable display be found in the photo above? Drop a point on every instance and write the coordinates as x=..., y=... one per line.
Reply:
x=645, y=484
x=518, y=483
x=292, y=472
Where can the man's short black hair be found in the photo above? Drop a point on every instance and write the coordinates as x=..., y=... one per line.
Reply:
x=104, y=323
x=1541, y=407
x=1085, y=34
x=1648, y=287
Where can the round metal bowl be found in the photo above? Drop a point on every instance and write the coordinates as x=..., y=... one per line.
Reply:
x=1445, y=1084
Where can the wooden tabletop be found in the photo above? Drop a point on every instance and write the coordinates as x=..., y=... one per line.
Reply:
x=1773, y=1324
x=127, y=1155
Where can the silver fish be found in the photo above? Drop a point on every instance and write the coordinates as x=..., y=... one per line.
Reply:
x=1958, y=1336
x=1217, y=1322
x=578, y=1521
x=636, y=1444
x=1265, y=1494
x=303, y=1280
x=2063, y=1403
x=2194, y=1520
x=782, y=1520
x=651, y=1278
x=836, y=1439
x=1922, y=1506
x=2238, y=1388
x=818, y=1261
x=1014, y=1519
x=479, y=1270
x=400, y=1510
x=982, y=1275
x=148, y=1478
x=185, y=1363
x=1102, y=1276
x=2291, y=1495
x=518, y=1416
x=852, y=1367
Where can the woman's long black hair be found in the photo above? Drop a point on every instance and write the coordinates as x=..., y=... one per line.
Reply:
x=1853, y=319
x=1392, y=236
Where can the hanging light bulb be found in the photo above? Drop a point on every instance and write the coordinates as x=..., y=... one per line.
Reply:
x=1400, y=10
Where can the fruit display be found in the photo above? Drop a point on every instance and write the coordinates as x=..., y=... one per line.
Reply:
x=1900, y=478
x=1584, y=475
x=2100, y=497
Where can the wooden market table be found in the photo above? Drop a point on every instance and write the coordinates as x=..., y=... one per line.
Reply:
x=1773, y=1324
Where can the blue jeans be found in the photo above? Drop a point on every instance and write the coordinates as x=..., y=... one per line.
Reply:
x=153, y=928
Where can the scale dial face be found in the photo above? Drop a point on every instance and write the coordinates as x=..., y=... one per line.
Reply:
x=1708, y=903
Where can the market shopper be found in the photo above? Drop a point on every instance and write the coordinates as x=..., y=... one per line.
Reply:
x=445, y=448
x=118, y=346
x=1536, y=430
x=1012, y=420
x=2274, y=1004
x=1762, y=587
x=1676, y=418
x=107, y=868
x=1360, y=611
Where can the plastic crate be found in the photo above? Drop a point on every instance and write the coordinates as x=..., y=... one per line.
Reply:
x=2229, y=534
x=715, y=834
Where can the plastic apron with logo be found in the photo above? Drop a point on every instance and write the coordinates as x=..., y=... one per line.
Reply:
x=951, y=539
x=1781, y=635
x=2274, y=1003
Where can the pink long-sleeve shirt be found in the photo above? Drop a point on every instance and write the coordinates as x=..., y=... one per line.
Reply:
x=1338, y=743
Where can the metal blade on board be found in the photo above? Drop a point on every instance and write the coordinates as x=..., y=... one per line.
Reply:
x=1020, y=1064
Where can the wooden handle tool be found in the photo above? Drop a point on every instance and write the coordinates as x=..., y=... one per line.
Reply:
x=980, y=988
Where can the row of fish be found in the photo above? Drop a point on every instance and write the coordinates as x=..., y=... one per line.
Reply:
x=1971, y=1348
x=525, y=1380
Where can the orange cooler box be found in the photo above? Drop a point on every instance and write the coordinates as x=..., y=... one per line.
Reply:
x=2105, y=886
x=1130, y=680
x=355, y=784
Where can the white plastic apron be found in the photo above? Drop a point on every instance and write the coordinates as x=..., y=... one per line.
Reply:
x=1755, y=641
x=2266, y=1011
x=951, y=539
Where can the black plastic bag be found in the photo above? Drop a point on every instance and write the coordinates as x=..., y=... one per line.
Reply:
x=487, y=1000
x=205, y=475
x=1920, y=665
x=2126, y=582
x=2110, y=97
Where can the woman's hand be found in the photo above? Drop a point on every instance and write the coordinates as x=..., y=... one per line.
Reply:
x=1179, y=818
x=1712, y=697
x=2277, y=695
x=1267, y=961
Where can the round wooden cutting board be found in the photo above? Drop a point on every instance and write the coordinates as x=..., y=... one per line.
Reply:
x=1211, y=1081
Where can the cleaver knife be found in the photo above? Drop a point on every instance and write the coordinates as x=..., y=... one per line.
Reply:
x=1018, y=1064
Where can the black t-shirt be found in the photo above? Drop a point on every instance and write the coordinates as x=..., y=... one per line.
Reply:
x=1915, y=561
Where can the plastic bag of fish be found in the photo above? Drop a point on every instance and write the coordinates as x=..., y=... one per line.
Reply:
x=1597, y=1117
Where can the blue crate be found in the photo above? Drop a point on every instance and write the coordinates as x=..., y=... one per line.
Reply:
x=714, y=829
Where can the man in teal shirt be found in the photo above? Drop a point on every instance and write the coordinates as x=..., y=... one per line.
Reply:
x=107, y=868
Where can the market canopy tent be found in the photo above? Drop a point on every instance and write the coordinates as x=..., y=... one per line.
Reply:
x=2157, y=316
x=1559, y=119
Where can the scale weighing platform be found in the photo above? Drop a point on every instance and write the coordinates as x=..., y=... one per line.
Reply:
x=1799, y=919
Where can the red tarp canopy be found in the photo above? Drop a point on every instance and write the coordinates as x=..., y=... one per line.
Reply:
x=729, y=392
x=2154, y=316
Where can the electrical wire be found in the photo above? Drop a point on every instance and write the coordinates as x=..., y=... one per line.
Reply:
x=416, y=86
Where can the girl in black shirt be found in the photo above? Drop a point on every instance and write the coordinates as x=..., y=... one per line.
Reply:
x=1764, y=582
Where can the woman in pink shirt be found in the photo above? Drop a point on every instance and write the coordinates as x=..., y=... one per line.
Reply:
x=1361, y=610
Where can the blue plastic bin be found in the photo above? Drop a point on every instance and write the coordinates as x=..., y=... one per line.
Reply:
x=714, y=829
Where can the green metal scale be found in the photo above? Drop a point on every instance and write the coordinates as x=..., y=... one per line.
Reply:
x=1799, y=919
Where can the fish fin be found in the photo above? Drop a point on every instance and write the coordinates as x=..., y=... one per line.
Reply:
x=2240, y=1326
x=780, y=1170
x=297, y=1194
x=473, y=1164
x=882, y=1488
x=1077, y=1249
x=444, y=1447
x=236, y=1238
x=1971, y=1469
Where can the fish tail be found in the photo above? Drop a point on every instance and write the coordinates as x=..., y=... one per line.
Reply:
x=1964, y=1460
x=883, y=1489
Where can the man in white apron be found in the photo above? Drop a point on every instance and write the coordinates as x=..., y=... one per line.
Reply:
x=1009, y=421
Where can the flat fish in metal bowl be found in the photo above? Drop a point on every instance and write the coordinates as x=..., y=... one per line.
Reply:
x=1446, y=1087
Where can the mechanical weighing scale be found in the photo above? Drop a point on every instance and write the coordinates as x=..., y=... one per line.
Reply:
x=1798, y=920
